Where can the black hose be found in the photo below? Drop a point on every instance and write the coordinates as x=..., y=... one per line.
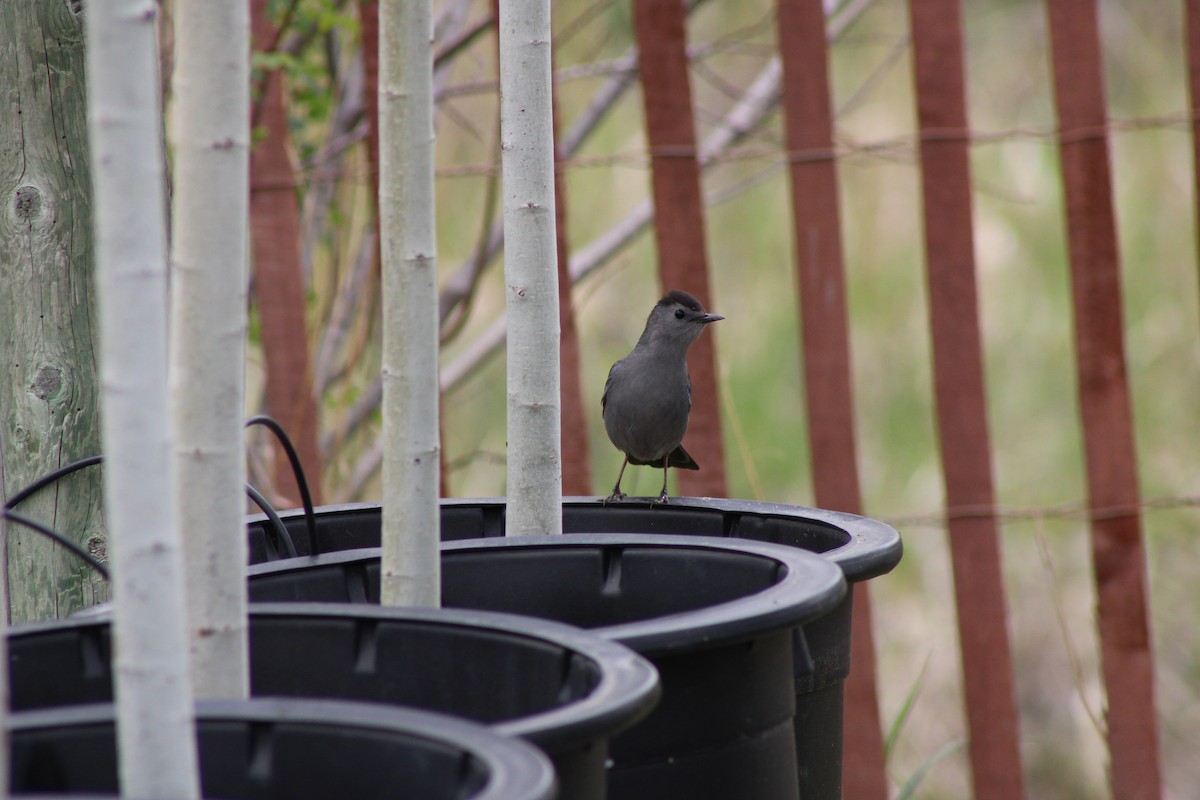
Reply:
x=298, y=471
x=51, y=477
x=277, y=526
x=54, y=535
x=280, y=530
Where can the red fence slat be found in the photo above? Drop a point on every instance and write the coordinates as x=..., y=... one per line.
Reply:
x=279, y=289
x=1192, y=41
x=576, y=469
x=679, y=217
x=1118, y=549
x=961, y=400
x=825, y=330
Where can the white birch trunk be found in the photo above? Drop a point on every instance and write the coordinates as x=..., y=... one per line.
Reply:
x=530, y=270
x=410, y=570
x=208, y=331
x=156, y=736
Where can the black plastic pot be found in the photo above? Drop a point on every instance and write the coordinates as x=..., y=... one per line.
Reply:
x=292, y=750
x=562, y=689
x=720, y=619
x=863, y=548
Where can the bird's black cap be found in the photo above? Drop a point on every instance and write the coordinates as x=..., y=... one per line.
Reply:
x=683, y=298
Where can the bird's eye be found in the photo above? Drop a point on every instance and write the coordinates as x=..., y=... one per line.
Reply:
x=679, y=313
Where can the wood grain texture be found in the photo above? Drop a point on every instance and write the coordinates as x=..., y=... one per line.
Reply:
x=49, y=410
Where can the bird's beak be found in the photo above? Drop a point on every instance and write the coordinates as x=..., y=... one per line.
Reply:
x=707, y=318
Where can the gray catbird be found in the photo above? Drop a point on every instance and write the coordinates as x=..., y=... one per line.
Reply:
x=648, y=395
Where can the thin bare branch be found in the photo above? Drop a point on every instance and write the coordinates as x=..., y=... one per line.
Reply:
x=362, y=410
x=756, y=104
x=462, y=41
x=365, y=469
x=463, y=284
x=341, y=317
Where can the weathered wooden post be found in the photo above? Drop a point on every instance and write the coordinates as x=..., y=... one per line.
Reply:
x=48, y=381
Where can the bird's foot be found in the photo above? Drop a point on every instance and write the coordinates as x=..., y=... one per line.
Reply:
x=661, y=499
x=614, y=497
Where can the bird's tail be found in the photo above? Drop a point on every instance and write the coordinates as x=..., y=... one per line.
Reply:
x=680, y=459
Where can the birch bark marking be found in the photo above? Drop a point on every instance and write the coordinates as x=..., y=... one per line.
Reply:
x=530, y=270
x=208, y=336
x=410, y=568
x=156, y=738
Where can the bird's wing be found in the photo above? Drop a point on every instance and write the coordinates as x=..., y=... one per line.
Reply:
x=607, y=384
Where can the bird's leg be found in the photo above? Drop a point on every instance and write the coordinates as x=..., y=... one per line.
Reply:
x=662, y=497
x=616, y=492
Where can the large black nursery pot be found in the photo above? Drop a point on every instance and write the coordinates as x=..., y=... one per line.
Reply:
x=863, y=548
x=559, y=687
x=292, y=750
x=719, y=618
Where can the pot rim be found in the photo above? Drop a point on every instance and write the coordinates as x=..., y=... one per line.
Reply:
x=808, y=587
x=514, y=767
x=627, y=691
x=871, y=547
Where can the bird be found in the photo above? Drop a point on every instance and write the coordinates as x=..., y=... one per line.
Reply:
x=648, y=395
